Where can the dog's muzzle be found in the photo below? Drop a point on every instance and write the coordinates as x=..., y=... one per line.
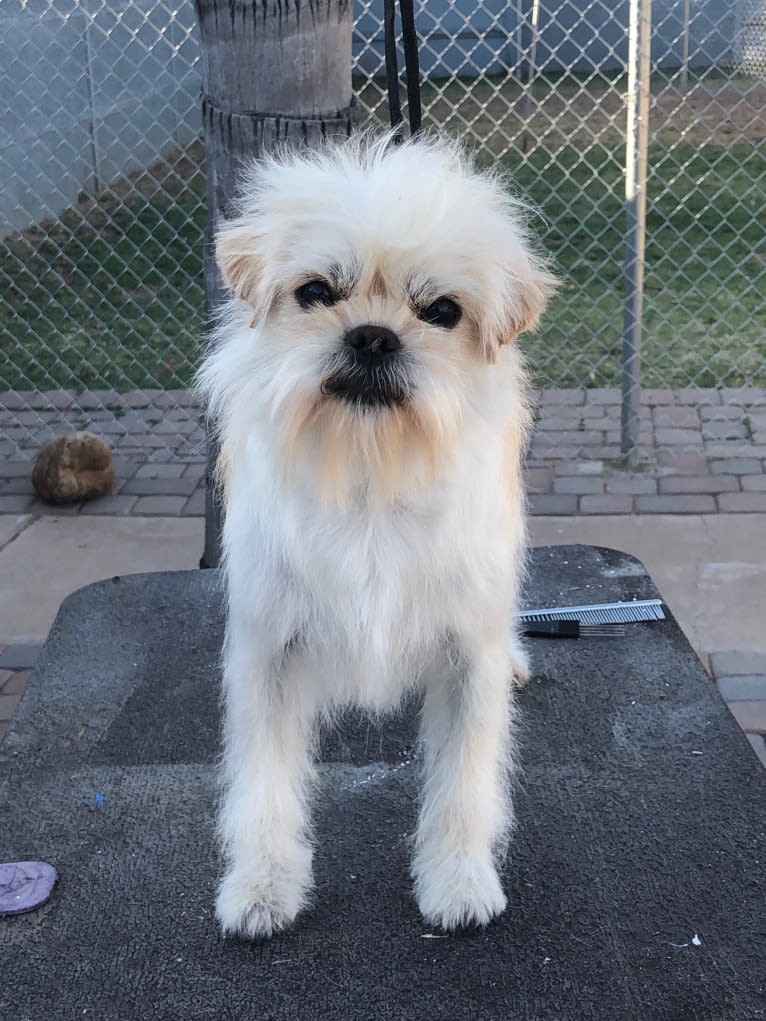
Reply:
x=370, y=369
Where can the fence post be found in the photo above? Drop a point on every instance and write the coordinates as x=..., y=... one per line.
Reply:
x=685, y=58
x=531, y=71
x=636, y=151
x=270, y=72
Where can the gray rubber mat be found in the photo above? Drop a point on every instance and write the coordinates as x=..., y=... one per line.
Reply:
x=635, y=881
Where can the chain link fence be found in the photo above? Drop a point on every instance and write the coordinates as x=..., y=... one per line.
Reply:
x=102, y=211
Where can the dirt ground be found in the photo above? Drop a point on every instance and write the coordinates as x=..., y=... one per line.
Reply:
x=499, y=117
x=730, y=112
x=496, y=112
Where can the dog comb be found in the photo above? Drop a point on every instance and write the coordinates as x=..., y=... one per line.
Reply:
x=570, y=629
x=598, y=613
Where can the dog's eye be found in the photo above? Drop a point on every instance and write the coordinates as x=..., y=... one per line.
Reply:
x=315, y=292
x=443, y=312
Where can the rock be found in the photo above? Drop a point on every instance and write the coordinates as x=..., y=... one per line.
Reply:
x=74, y=467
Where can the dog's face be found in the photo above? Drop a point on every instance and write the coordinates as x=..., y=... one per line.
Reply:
x=380, y=284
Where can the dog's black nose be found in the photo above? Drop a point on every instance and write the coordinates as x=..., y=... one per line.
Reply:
x=370, y=341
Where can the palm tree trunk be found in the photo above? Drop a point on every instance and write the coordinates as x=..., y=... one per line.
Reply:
x=272, y=70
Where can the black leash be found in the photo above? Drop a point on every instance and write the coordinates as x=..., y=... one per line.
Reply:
x=411, y=64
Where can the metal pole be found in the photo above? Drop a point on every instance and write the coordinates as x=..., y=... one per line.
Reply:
x=636, y=150
x=531, y=70
x=685, y=62
x=519, y=34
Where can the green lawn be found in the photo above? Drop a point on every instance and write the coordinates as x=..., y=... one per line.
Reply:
x=111, y=295
x=705, y=293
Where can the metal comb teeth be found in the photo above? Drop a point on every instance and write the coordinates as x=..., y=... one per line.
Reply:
x=602, y=630
x=571, y=629
x=599, y=613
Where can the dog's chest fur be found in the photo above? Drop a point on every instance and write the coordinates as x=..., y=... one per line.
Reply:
x=373, y=593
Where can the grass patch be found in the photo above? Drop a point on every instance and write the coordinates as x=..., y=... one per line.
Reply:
x=111, y=295
x=705, y=283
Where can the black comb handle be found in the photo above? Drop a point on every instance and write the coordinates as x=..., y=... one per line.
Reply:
x=552, y=629
x=567, y=628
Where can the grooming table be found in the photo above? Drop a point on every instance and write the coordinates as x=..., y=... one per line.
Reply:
x=636, y=881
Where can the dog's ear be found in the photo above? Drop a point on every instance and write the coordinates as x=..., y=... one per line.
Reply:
x=523, y=292
x=239, y=252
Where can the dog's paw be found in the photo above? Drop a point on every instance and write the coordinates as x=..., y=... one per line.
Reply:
x=459, y=892
x=256, y=905
x=521, y=668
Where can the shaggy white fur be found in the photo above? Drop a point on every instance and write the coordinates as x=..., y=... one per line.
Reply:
x=374, y=526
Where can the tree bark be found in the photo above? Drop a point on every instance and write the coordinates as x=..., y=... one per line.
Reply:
x=271, y=70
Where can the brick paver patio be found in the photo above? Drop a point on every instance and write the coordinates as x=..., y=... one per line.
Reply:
x=701, y=451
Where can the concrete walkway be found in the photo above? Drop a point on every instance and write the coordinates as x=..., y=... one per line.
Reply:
x=711, y=570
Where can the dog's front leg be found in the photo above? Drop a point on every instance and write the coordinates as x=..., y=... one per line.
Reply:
x=466, y=809
x=264, y=821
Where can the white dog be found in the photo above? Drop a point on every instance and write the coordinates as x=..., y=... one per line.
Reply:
x=372, y=419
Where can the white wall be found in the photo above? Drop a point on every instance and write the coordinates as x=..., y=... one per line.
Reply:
x=89, y=90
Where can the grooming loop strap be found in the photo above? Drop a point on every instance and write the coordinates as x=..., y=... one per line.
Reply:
x=411, y=64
